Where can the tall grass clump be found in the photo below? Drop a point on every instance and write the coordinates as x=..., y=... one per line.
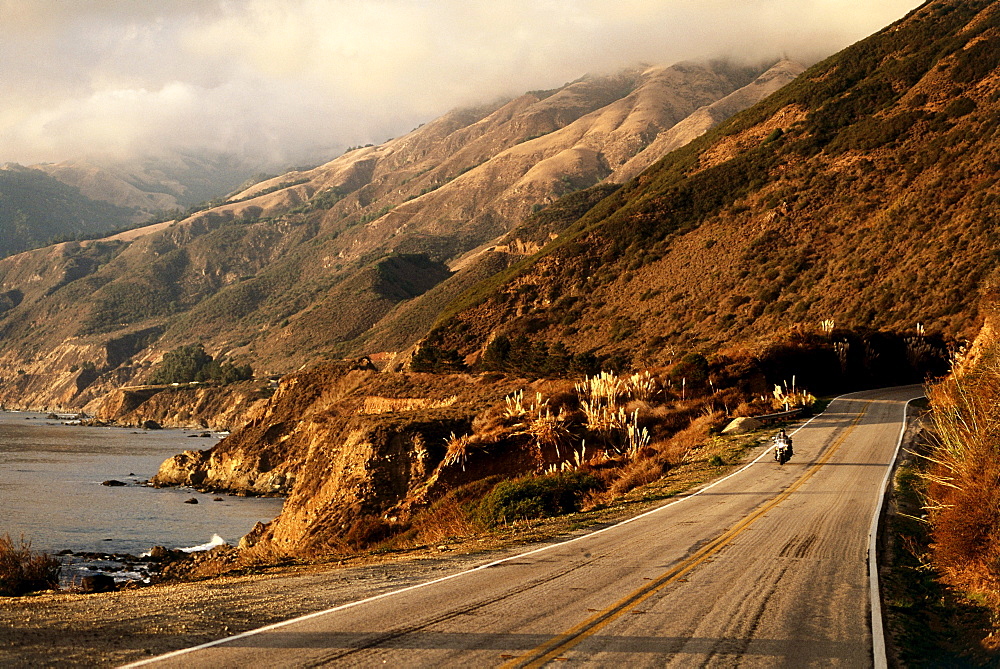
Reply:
x=785, y=397
x=963, y=486
x=23, y=570
x=601, y=400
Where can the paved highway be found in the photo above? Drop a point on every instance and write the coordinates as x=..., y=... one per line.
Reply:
x=766, y=568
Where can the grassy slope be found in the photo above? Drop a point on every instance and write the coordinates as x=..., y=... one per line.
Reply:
x=863, y=192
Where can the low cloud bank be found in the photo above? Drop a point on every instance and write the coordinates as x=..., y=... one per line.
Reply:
x=292, y=80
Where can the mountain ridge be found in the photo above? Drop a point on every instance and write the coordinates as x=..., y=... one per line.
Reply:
x=778, y=209
x=250, y=277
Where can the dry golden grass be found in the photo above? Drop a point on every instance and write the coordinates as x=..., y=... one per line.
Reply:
x=964, y=485
x=446, y=520
x=791, y=397
x=679, y=448
x=379, y=405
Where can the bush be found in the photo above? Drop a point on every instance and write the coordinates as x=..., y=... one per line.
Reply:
x=693, y=367
x=430, y=358
x=23, y=571
x=960, y=107
x=535, y=497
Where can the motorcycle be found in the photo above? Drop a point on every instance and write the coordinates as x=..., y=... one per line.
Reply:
x=782, y=449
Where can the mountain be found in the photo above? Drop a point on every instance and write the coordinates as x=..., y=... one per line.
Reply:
x=80, y=199
x=862, y=194
x=814, y=230
x=330, y=261
x=706, y=118
x=36, y=209
x=154, y=184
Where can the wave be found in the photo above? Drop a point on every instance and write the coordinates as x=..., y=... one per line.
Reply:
x=215, y=541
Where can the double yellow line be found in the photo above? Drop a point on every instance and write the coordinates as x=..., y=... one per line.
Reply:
x=558, y=645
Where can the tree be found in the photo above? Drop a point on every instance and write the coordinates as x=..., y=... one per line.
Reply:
x=192, y=363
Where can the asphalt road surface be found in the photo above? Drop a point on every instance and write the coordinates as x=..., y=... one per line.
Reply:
x=766, y=568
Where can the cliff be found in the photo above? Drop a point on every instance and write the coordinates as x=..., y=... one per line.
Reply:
x=352, y=449
x=212, y=407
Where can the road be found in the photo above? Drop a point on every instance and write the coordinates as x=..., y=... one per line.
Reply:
x=766, y=568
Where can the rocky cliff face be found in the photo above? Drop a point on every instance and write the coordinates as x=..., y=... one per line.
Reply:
x=348, y=446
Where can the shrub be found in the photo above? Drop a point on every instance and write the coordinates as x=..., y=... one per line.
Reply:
x=535, y=497
x=429, y=358
x=693, y=367
x=22, y=570
x=960, y=107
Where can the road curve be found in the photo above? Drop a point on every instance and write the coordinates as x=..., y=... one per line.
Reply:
x=767, y=567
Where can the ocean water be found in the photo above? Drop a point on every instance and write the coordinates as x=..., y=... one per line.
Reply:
x=51, y=492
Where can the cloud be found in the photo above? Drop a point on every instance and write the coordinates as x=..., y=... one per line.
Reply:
x=280, y=80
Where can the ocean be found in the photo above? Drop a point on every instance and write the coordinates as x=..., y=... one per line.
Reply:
x=51, y=490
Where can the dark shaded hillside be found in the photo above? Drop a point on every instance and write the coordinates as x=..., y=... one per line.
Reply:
x=36, y=210
x=863, y=193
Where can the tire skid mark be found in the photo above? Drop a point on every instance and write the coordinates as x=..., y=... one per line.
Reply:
x=741, y=644
x=380, y=639
x=798, y=547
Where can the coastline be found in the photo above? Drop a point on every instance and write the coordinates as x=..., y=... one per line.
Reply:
x=114, y=628
x=84, y=490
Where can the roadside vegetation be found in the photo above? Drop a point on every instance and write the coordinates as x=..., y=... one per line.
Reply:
x=963, y=491
x=928, y=623
x=946, y=531
x=23, y=570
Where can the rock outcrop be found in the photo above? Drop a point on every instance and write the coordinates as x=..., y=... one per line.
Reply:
x=350, y=447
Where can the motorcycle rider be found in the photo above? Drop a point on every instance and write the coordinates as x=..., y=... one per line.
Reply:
x=782, y=436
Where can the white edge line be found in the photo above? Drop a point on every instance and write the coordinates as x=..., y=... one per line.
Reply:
x=878, y=631
x=416, y=586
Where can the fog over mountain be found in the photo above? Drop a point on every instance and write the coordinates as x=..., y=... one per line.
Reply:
x=286, y=81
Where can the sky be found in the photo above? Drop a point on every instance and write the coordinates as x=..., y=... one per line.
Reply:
x=290, y=81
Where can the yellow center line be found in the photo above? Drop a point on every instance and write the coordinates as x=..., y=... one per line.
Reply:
x=554, y=647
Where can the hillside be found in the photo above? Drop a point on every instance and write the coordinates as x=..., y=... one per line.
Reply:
x=861, y=195
x=36, y=209
x=79, y=199
x=864, y=194
x=154, y=184
x=319, y=263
